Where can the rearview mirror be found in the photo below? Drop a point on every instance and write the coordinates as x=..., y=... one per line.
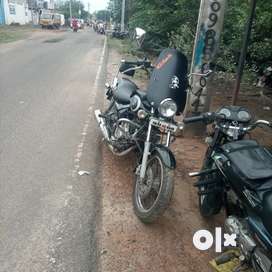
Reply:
x=139, y=35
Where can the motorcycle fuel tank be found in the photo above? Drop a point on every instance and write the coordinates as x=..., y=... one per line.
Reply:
x=169, y=79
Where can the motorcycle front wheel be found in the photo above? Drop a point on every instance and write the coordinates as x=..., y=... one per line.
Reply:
x=210, y=203
x=152, y=195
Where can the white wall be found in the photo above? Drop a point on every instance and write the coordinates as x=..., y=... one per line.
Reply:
x=33, y=17
x=21, y=12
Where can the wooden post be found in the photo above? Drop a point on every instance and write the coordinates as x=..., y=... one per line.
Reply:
x=123, y=15
x=243, y=53
x=209, y=28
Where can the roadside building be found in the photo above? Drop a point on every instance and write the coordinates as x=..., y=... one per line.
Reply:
x=24, y=11
x=14, y=12
x=2, y=13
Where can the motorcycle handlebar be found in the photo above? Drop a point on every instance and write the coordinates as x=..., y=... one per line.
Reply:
x=258, y=123
x=145, y=63
x=210, y=117
x=193, y=119
x=207, y=118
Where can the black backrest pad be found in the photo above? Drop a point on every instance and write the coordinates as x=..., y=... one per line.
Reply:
x=253, y=161
x=169, y=79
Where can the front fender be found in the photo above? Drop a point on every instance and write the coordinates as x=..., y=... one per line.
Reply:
x=166, y=155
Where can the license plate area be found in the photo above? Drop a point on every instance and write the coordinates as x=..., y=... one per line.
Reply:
x=163, y=126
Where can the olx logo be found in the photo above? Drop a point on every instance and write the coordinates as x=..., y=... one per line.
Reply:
x=204, y=240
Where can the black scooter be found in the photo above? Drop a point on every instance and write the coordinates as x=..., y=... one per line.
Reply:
x=237, y=174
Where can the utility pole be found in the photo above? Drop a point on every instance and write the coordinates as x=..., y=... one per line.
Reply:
x=89, y=10
x=209, y=28
x=123, y=15
x=70, y=6
x=242, y=59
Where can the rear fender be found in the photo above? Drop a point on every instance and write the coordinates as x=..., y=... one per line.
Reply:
x=166, y=155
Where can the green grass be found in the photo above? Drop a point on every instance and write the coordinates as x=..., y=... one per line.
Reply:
x=14, y=33
x=125, y=47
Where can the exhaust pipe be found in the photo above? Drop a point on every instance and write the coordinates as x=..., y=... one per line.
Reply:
x=102, y=125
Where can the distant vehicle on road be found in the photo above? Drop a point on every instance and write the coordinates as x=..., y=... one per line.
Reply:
x=75, y=24
x=58, y=20
x=46, y=20
x=52, y=20
x=79, y=22
x=101, y=28
x=82, y=24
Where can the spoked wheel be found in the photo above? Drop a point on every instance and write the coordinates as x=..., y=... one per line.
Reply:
x=152, y=195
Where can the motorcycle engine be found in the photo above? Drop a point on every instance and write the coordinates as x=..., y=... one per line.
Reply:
x=122, y=131
x=244, y=238
x=256, y=255
x=121, y=136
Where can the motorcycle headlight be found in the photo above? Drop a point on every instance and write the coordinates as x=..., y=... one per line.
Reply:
x=168, y=108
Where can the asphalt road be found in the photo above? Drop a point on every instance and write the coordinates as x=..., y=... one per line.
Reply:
x=48, y=213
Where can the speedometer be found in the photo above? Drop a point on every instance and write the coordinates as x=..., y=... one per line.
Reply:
x=226, y=112
x=244, y=116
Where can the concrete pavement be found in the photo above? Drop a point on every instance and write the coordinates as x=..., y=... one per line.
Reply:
x=48, y=213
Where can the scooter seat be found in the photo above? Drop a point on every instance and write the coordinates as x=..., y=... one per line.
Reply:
x=125, y=89
x=267, y=211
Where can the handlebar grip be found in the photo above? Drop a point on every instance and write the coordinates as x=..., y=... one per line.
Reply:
x=193, y=119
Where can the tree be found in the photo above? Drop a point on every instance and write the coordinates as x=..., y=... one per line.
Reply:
x=103, y=15
x=64, y=8
x=173, y=23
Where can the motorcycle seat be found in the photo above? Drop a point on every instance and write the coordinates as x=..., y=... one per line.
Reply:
x=267, y=211
x=250, y=163
x=125, y=89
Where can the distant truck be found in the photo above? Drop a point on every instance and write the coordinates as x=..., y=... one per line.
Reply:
x=58, y=20
x=51, y=20
x=46, y=20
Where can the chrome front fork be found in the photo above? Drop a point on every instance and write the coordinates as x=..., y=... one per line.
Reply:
x=147, y=150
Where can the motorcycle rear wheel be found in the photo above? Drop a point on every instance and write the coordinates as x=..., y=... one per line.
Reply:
x=152, y=195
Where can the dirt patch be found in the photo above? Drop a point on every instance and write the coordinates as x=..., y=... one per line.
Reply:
x=128, y=245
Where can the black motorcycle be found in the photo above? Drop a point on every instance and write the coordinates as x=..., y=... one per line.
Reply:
x=237, y=174
x=143, y=121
